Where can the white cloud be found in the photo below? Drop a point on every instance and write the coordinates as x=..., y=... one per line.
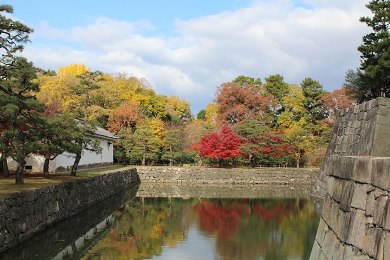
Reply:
x=268, y=37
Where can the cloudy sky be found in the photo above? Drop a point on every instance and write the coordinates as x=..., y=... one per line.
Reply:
x=188, y=48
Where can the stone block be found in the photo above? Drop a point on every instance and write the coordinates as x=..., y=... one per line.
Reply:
x=386, y=245
x=362, y=170
x=371, y=241
x=351, y=253
x=335, y=188
x=379, y=211
x=342, y=166
x=386, y=216
x=357, y=228
x=330, y=243
x=321, y=231
x=359, y=198
x=346, y=197
x=383, y=101
x=380, y=176
x=338, y=252
x=343, y=225
x=315, y=251
x=371, y=200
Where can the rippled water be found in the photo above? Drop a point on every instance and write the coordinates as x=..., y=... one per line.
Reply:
x=190, y=228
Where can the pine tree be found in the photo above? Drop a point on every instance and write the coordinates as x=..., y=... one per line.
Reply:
x=372, y=79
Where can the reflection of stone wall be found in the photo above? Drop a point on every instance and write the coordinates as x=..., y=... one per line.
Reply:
x=23, y=214
x=355, y=186
x=218, y=176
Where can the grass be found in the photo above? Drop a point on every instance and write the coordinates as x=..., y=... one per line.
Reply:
x=7, y=185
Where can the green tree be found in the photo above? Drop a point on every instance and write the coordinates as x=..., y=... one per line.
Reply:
x=201, y=115
x=313, y=92
x=245, y=80
x=143, y=146
x=172, y=150
x=276, y=86
x=13, y=35
x=58, y=137
x=88, y=82
x=21, y=115
x=372, y=79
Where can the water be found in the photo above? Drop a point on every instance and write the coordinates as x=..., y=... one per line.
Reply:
x=183, y=228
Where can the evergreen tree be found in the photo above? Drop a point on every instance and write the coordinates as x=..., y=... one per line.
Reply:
x=372, y=79
x=21, y=115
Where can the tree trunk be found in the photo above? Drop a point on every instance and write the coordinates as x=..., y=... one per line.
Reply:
x=76, y=164
x=46, y=167
x=4, y=165
x=144, y=157
x=19, y=179
x=220, y=163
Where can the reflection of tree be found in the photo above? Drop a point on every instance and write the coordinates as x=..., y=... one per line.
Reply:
x=142, y=228
x=248, y=229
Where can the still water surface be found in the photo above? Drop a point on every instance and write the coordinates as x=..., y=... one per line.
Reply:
x=178, y=228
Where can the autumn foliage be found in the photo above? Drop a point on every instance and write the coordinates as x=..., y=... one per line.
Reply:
x=238, y=102
x=220, y=146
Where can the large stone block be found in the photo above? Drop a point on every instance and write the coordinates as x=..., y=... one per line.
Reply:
x=371, y=241
x=346, y=197
x=362, y=170
x=379, y=212
x=357, y=229
x=359, y=198
x=381, y=173
x=330, y=243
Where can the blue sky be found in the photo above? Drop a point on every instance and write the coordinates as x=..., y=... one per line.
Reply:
x=188, y=48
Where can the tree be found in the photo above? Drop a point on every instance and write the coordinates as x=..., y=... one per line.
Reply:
x=337, y=99
x=83, y=141
x=262, y=146
x=88, y=82
x=21, y=115
x=143, y=146
x=238, y=102
x=127, y=115
x=245, y=80
x=220, y=146
x=13, y=35
x=372, y=79
x=276, y=86
x=201, y=115
x=173, y=147
x=313, y=91
x=58, y=137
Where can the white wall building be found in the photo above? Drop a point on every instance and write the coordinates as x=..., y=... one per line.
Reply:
x=64, y=162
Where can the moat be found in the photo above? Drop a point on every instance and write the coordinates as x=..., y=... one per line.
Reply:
x=245, y=225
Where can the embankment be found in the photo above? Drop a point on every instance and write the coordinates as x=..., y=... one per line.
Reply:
x=223, y=176
x=25, y=213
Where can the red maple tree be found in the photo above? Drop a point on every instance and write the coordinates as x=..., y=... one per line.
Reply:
x=219, y=146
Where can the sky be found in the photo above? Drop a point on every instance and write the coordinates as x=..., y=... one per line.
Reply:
x=188, y=48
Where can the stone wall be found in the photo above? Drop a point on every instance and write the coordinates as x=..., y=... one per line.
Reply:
x=222, y=176
x=23, y=214
x=355, y=185
x=363, y=130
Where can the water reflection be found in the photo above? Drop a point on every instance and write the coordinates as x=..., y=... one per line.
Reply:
x=180, y=228
x=163, y=228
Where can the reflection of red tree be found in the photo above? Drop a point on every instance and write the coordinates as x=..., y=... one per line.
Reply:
x=275, y=212
x=220, y=219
